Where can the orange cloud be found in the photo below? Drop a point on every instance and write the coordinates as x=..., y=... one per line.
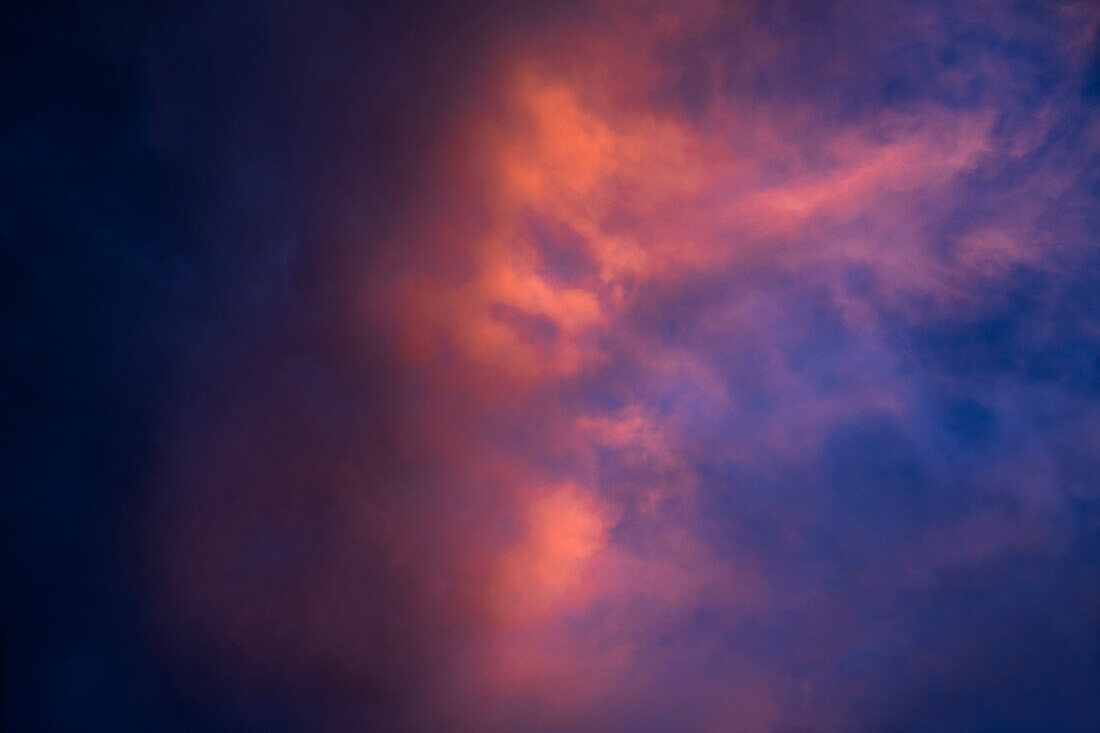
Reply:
x=563, y=530
x=653, y=198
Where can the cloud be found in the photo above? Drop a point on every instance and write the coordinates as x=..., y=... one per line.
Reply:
x=738, y=365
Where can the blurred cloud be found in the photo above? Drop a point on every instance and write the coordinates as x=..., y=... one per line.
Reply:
x=661, y=366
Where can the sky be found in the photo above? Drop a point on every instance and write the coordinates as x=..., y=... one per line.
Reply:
x=594, y=365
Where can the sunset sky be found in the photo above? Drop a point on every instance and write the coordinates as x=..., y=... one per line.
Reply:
x=587, y=365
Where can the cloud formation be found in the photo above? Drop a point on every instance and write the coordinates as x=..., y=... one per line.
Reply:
x=690, y=366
